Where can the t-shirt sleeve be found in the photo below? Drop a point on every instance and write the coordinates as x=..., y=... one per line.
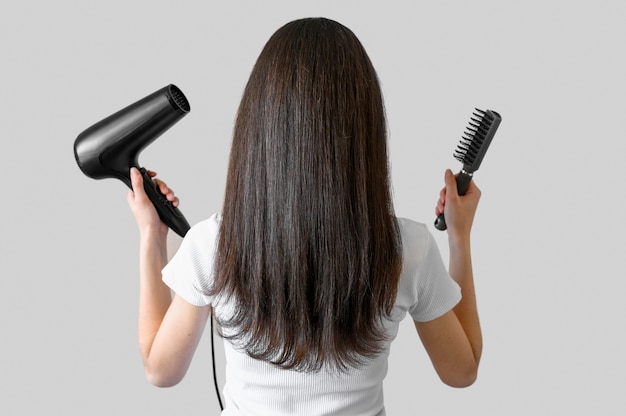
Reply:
x=190, y=272
x=437, y=292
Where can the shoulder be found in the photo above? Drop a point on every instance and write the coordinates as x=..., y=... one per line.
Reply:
x=426, y=289
x=207, y=227
x=409, y=226
x=190, y=271
x=204, y=232
x=415, y=238
x=200, y=243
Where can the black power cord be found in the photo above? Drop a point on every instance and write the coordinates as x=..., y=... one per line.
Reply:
x=217, y=389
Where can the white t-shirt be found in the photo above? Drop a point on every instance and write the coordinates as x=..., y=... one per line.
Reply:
x=254, y=387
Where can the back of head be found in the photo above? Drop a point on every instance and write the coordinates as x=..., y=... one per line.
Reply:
x=309, y=245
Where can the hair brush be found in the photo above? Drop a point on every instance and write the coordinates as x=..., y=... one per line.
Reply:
x=471, y=151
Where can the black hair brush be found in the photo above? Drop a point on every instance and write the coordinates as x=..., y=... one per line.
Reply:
x=471, y=151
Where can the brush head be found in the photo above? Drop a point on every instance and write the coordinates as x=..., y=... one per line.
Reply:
x=477, y=138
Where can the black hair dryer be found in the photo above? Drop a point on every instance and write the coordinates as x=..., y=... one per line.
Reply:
x=109, y=148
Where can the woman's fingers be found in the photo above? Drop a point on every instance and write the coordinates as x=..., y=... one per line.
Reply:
x=165, y=190
x=441, y=202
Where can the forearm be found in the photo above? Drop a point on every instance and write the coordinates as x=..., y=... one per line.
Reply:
x=466, y=310
x=154, y=295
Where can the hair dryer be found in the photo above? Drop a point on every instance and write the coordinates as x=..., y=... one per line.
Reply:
x=109, y=148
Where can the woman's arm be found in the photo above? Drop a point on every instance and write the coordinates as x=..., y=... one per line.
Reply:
x=454, y=340
x=168, y=330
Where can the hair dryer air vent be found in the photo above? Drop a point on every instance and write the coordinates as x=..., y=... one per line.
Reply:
x=179, y=98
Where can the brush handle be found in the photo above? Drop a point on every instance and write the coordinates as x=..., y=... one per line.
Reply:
x=169, y=214
x=463, y=180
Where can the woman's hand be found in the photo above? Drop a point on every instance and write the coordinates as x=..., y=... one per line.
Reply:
x=142, y=208
x=458, y=210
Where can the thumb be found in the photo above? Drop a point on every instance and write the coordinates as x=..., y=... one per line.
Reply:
x=137, y=182
x=450, y=180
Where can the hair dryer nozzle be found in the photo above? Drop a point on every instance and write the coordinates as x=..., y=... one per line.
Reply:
x=109, y=148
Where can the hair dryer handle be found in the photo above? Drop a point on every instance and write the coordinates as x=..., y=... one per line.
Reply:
x=169, y=214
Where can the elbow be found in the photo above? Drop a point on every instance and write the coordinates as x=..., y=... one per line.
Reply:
x=160, y=378
x=461, y=378
x=461, y=382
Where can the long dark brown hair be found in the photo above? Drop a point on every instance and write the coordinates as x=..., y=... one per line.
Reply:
x=309, y=246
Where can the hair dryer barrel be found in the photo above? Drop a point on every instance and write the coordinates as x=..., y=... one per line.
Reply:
x=109, y=148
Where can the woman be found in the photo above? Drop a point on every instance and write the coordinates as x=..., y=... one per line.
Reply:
x=307, y=270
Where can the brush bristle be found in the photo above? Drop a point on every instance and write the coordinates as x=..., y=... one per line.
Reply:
x=469, y=150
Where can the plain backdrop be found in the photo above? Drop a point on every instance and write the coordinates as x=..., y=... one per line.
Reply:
x=549, y=234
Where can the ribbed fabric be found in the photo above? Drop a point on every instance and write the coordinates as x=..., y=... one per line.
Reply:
x=256, y=388
x=253, y=387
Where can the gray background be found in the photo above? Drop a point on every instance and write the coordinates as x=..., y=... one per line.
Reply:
x=549, y=235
